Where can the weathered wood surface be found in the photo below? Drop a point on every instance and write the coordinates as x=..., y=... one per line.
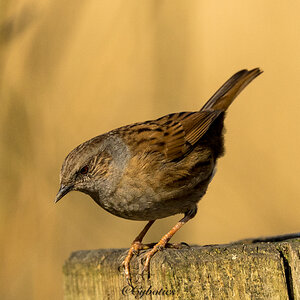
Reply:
x=250, y=269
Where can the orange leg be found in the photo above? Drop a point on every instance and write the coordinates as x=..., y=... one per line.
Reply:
x=165, y=239
x=135, y=248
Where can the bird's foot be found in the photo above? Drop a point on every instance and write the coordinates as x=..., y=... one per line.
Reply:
x=162, y=244
x=158, y=247
x=135, y=249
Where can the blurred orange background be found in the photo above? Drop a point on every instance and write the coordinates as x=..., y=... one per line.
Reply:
x=70, y=70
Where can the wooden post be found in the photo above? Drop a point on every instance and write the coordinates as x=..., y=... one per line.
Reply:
x=250, y=269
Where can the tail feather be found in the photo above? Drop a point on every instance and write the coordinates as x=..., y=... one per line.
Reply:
x=225, y=95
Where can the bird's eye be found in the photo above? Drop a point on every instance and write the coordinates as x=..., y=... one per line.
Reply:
x=84, y=170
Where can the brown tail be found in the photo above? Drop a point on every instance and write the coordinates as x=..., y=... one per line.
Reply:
x=230, y=89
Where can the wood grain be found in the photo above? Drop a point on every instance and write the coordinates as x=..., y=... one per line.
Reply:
x=251, y=269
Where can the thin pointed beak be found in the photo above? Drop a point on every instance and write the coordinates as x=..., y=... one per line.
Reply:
x=64, y=190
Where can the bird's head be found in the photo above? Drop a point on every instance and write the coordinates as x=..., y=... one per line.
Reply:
x=87, y=168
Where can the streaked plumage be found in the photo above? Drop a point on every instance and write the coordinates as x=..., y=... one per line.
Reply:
x=158, y=168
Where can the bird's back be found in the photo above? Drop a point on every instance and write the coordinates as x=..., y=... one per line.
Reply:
x=173, y=158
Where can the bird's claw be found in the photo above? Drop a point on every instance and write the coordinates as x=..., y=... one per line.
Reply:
x=134, y=250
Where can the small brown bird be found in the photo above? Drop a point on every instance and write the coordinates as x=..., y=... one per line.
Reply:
x=154, y=169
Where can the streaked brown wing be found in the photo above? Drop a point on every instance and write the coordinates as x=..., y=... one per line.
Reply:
x=184, y=130
x=172, y=135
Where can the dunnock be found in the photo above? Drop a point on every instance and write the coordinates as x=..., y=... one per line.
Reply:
x=154, y=169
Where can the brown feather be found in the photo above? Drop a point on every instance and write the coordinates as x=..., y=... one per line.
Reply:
x=225, y=95
x=175, y=135
x=158, y=168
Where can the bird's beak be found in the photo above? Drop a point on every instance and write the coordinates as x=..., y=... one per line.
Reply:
x=64, y=190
